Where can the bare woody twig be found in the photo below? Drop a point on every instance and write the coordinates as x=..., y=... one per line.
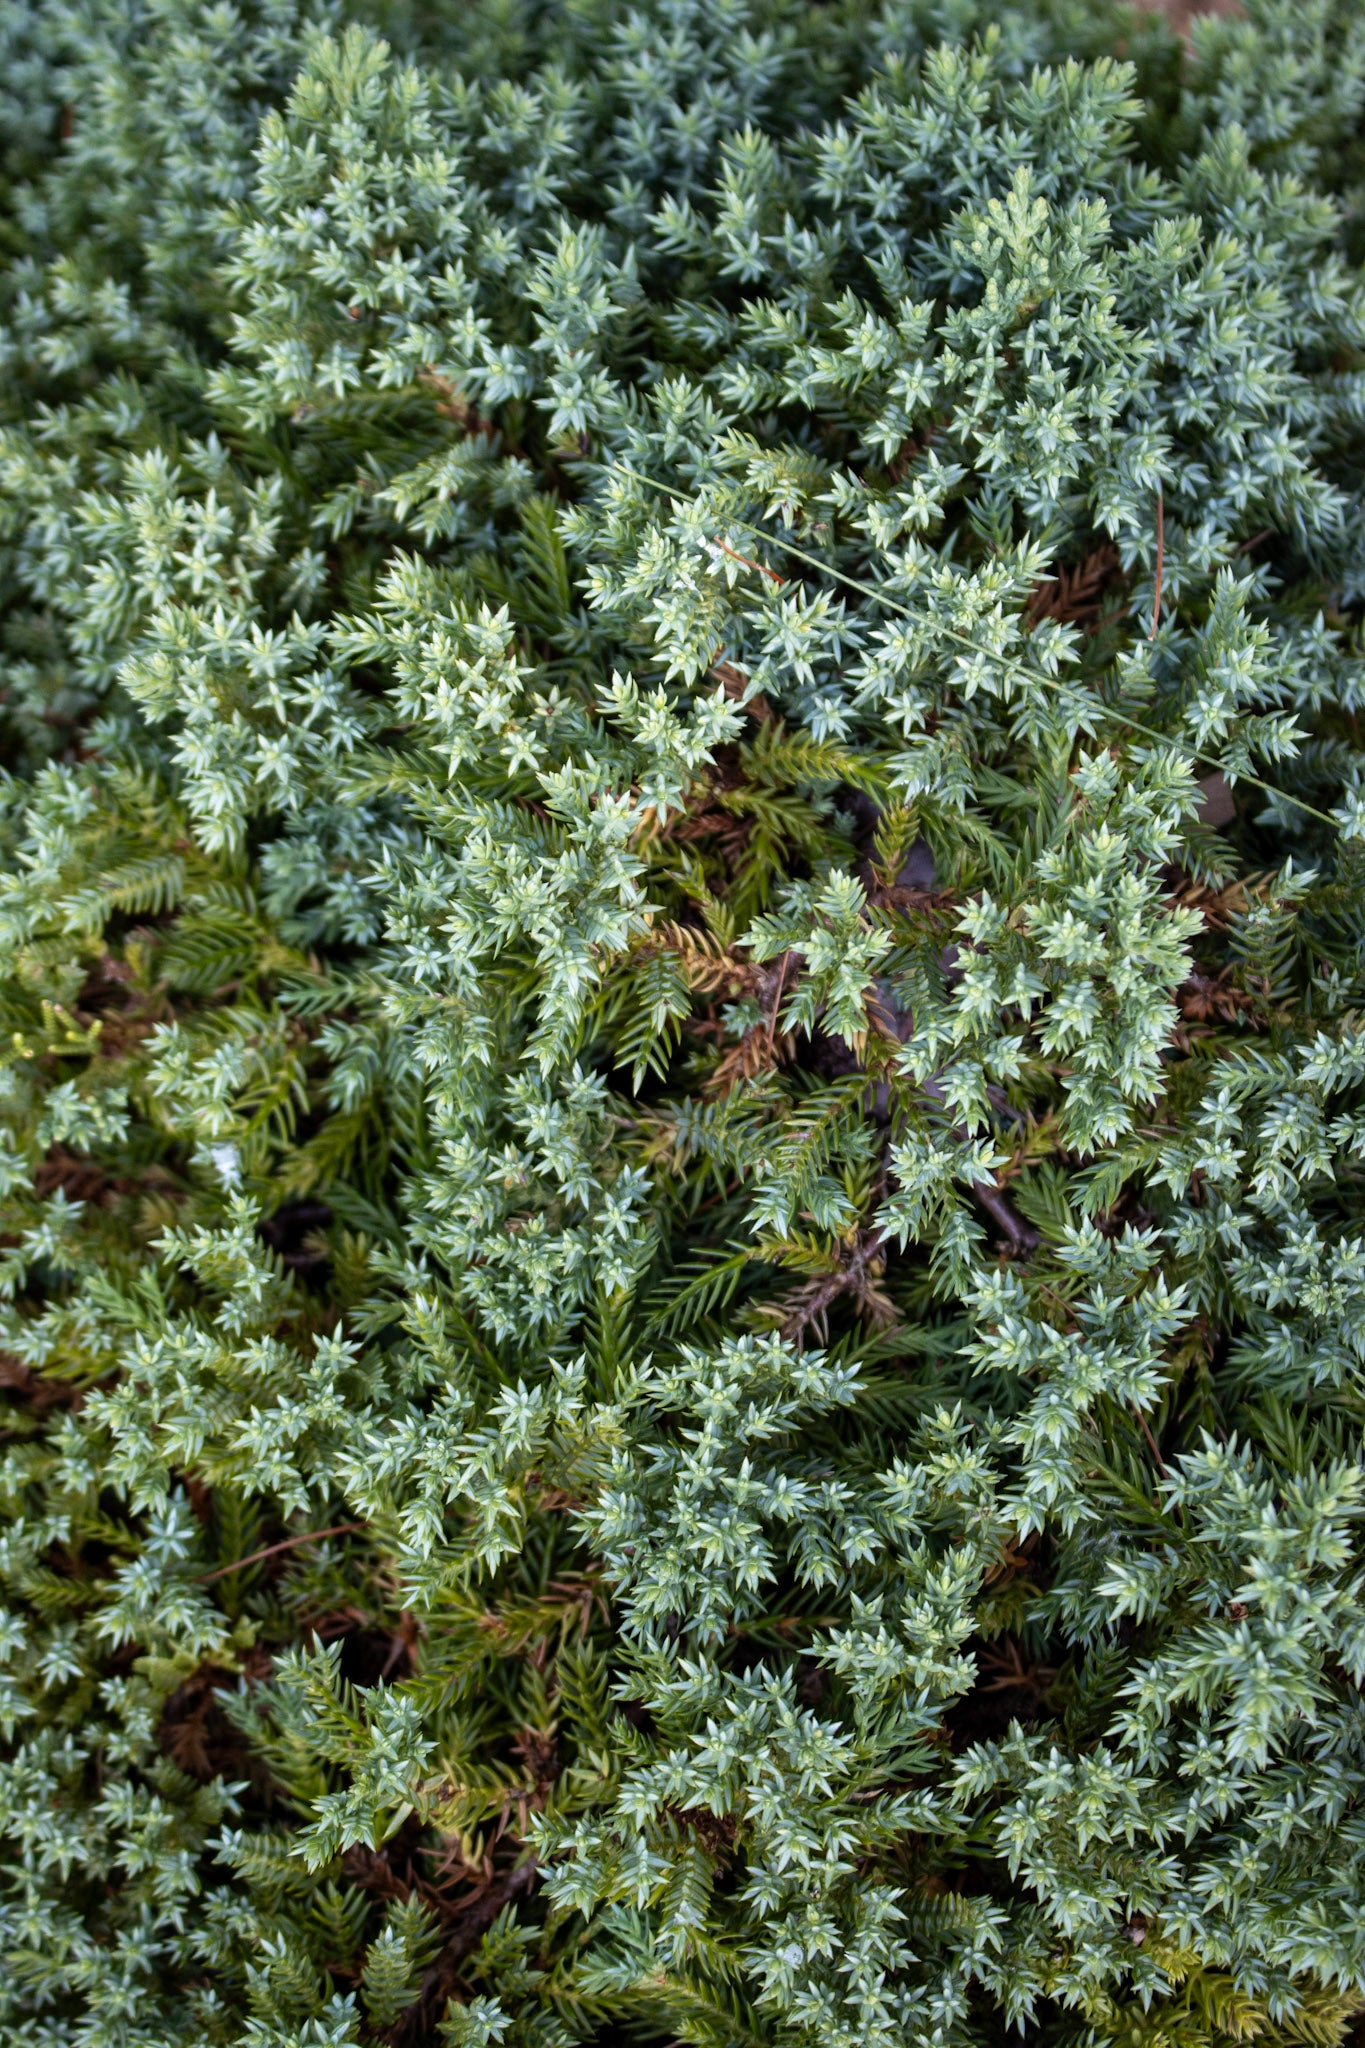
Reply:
x=1003, y=1213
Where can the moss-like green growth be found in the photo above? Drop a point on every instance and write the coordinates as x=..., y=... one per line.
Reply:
x=682, y=1087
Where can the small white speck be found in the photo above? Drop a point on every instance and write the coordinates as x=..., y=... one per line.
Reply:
x=227, y=1164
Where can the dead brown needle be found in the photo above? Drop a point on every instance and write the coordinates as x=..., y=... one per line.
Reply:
x=736, y=556
x=1152, y=1446
x=274, y=1549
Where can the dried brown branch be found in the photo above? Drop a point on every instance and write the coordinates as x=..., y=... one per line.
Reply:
x=763, y=1045
x=468, y=1928
x=453, y=405
x=855, y=1276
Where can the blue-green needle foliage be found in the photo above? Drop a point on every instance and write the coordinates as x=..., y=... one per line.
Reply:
x=682, y=1081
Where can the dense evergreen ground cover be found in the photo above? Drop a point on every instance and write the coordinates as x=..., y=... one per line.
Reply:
x=682, y=882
